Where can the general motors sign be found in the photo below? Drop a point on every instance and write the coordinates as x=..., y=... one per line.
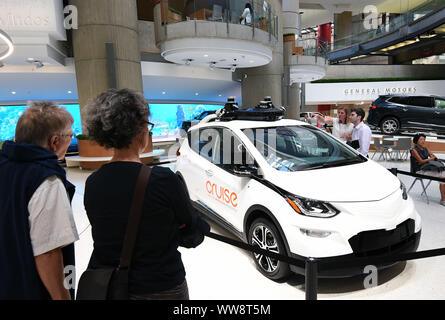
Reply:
x=352, y=92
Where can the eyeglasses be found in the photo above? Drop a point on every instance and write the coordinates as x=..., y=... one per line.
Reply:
x=149, y=125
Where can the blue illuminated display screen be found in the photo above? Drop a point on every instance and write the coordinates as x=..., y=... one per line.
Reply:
x=9, y=115
x=167, y=118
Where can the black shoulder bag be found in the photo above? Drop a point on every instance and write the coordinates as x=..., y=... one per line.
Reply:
x=112, y=283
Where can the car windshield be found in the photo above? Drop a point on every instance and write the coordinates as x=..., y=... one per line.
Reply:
x=298, y=148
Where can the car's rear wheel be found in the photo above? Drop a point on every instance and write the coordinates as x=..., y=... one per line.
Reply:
x=390, y=125
x=264, y=234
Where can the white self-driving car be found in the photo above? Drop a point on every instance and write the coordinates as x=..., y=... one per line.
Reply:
x=293, y=189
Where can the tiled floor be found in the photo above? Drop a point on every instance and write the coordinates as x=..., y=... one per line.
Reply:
x=218, y=271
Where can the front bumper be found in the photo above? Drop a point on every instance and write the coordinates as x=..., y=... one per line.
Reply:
x=371, y=244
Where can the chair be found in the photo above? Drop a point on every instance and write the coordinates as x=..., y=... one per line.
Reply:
x=379, y=148
x=388, y=144
x=403, y=147
x=412, y=159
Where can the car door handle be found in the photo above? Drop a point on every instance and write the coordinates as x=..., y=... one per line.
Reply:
x=209, y=173
x=437, y=112
x=404, y=109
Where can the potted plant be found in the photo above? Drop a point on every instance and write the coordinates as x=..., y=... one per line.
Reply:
x=90, y=148
x=289, y=37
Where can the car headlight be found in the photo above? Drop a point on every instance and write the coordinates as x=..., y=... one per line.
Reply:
x=404, y=193
x=312, y=208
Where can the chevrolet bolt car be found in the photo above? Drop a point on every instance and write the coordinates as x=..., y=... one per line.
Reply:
x=393, y=114
x=293, y=189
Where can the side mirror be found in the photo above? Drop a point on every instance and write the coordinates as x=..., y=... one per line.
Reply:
x=243, y=170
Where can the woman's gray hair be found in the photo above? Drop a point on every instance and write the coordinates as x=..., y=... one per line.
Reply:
x=115, y=117
x=40, y=121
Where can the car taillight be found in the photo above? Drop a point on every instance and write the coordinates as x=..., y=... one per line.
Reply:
x=373, y=107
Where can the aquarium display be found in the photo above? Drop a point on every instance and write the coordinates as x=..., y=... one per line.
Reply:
x=167, y=118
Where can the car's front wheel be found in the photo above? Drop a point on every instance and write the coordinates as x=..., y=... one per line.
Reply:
x=390, y=125
x=264, y=234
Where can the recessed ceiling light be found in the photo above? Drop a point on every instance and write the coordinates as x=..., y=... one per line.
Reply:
x=219, y=95
x=69, y=91
x=206, y=55
x=13, y=92
x=163, y=92
x=196, y=94
x=251, y=61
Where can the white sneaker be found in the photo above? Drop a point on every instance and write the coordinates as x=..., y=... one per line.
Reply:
x=442, y=203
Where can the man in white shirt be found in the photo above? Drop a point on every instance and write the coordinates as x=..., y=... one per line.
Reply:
x=361, y=132
x=37, y=227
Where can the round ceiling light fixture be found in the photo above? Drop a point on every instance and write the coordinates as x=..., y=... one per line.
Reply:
x=5, y=38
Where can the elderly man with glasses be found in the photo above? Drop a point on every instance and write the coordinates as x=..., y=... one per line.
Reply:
x=37, y=230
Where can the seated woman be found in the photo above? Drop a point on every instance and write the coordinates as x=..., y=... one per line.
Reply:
x=421, y=157
x=119, y=119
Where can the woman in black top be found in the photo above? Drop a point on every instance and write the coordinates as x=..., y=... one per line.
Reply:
x=119, y=120
x=421, y=156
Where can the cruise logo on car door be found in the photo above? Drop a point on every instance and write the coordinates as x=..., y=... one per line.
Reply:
x=221, y=193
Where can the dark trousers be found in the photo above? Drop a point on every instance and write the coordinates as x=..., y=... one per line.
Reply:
x=180, y=292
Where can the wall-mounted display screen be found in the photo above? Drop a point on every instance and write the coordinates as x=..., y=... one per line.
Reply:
x=9, y=115
x=167, y=118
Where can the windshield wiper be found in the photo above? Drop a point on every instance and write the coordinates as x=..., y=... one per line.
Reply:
x=333, y=164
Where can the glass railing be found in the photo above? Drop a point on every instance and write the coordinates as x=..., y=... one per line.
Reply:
x=392, y=24
x=257, y=14
x=312, y=47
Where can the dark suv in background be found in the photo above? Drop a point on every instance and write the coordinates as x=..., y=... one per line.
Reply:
x=393, y=114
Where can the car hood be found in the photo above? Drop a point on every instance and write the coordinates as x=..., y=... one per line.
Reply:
x=360, y=182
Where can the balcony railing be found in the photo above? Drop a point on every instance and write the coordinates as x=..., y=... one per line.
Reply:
x=314, y=47
x=260, y=16
x=391, y=25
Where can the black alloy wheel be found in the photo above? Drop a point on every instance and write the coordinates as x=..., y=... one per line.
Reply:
x=390, y=125
x=264, y=234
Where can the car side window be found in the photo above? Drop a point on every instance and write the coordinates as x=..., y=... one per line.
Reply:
x=421, y=102
x=231, y=151
x=399, y=100
x=202, y=141
x=439, y=103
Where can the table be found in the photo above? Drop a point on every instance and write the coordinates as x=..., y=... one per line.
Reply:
x=394, y=139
